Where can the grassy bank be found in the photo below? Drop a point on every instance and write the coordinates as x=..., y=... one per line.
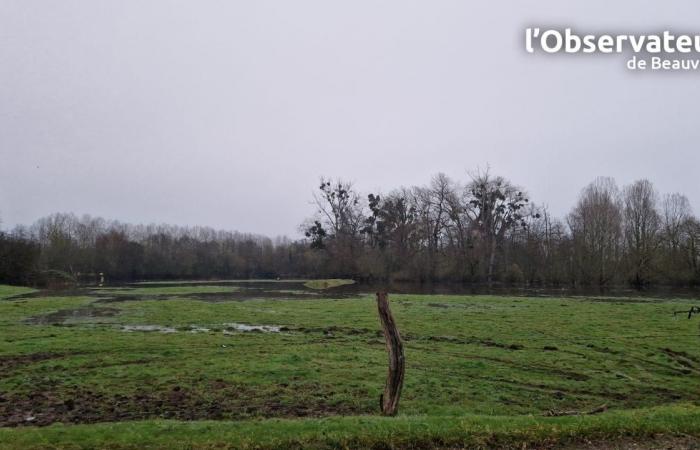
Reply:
x=7, y=291
x=367, y=432
x=327, y=284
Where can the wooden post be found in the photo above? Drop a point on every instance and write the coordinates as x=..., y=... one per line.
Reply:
x=389, y=400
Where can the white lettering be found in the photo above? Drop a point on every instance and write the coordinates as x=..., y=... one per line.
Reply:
x=557, y=41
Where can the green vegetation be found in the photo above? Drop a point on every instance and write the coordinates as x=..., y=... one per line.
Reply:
x=364, y=432
x=10, y=291
x=327, y=284
x=480, y=370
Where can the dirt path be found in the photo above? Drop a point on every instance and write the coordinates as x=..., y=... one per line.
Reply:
x=656, y=443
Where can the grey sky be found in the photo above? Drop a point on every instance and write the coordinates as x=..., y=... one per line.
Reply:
x=225, y=113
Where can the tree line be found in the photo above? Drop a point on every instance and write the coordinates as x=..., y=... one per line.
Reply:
x=483, y=230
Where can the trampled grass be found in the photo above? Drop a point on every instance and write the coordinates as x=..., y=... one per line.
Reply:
x=501, y=365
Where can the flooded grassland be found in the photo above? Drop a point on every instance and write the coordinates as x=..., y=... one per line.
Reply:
x=244, y=350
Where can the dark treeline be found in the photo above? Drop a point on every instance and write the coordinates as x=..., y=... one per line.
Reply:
x=484, y=230
x=64, y=246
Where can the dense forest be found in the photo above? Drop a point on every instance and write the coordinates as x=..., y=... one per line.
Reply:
x=485, y=230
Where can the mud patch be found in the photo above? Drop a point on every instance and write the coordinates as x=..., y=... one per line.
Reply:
x=74, y=315
x=657, y=442
x=472, y=340
x=602, y=349
x=682, y=358
x=217, y=400
x=10, y=363
x=147, y=328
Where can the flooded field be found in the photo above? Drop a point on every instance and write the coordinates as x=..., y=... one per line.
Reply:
x=226, y=290
x=241, y=350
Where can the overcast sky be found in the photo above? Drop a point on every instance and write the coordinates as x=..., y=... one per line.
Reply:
x=225, y=113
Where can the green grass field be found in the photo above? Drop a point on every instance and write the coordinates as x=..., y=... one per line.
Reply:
x=480, y=371
x=11, y=291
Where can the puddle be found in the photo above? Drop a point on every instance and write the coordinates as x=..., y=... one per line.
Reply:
x=240, y=292
x=229, y=328
x=247, y=328
x=148, y=328
x=74, y=315
x=296, y=290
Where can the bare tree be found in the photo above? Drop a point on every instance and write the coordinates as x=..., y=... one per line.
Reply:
x=495, y=207
x=339, y=207
x=340, y=218
x=641, y=228
x=434, y=209
x=691, y=247
x=676, y=211
x=596, y=228
x=391, y=228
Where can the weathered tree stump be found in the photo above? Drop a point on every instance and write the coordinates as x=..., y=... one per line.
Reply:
x=389, y=400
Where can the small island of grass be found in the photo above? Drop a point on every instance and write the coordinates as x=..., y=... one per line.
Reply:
x=327, y=284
